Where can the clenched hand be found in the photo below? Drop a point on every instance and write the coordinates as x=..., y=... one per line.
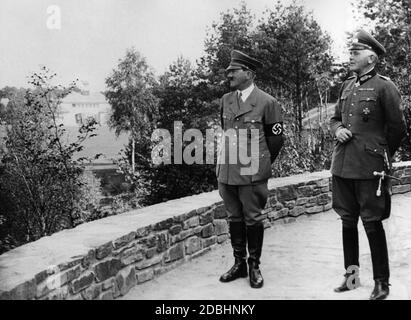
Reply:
x=343, y=135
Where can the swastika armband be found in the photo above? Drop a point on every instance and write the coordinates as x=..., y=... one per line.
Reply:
x=274, y=129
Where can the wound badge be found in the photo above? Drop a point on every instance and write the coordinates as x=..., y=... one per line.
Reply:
x=365, y=114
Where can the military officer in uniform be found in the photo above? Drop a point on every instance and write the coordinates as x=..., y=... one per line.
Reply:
x=368, y=126
x=245, y=108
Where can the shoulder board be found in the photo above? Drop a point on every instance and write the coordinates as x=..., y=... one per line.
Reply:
x=352, y=77
x=384, y=77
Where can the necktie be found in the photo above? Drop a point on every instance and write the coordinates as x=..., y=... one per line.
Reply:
x=239, y=96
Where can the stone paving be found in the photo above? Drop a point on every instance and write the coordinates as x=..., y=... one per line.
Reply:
x=301, y=260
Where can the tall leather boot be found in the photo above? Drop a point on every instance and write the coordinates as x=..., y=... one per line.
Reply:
x=351, y=258
x=239, y=244
x=379, y=257
x=255, y=236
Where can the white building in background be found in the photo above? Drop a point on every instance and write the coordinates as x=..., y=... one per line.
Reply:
x=77, y=107
x=4, y=101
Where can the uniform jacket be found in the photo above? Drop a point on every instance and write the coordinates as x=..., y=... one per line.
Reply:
x=371, y=111
x=257, y=112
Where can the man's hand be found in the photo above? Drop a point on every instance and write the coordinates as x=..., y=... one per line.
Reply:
x=343, y=135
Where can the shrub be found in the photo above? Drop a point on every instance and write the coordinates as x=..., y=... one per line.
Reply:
x=43, y=189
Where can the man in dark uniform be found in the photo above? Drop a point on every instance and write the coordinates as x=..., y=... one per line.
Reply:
x=368, y=126
x=245, y=193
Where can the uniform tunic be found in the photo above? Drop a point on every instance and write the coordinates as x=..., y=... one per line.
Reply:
x=245, y=195
x=371, y=111
x=256, y=112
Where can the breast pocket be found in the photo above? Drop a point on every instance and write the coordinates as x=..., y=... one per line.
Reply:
x=228, y=120
x=255, y=122
x=367, y=105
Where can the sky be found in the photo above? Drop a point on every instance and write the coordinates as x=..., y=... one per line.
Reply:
x=92, y=35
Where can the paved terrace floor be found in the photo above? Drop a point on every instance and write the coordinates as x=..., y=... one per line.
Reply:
x=300, y=260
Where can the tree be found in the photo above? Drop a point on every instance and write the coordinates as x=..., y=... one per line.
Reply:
x=391, y=20
x=182, y=97
x=134, y=106
x=296, y=54
x=42, y=188
x=233, y=31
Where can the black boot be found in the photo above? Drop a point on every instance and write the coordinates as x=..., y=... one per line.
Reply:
x=379, y=257
x=238, y=242
x=351, y=258
x=350, y=247
x=255, y=236
x=381, y=290
x=348, y=283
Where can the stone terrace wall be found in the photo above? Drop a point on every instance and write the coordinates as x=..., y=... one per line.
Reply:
x=103, y=259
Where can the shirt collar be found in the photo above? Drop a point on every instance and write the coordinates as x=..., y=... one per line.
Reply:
x=246, y=92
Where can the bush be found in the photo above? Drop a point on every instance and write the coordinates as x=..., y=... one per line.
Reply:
x=305, y=150
x=404, y=152
x=88, y=204
x=176, y=181
x=42, y=188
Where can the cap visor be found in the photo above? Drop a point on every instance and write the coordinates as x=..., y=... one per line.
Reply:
x=233, y=68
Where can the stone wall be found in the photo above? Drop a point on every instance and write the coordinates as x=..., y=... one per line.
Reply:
x=103, y=259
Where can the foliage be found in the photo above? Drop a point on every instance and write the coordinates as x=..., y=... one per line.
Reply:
x=124, y=202
x=16, y=99
x=303, y=151
x=88, y=204
x=130, y=94
x=392, y=23
x=233, y=31
x=291, y=43
x=139, y=184
x=42, y=187
x=182, y=97
x=134, y=107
